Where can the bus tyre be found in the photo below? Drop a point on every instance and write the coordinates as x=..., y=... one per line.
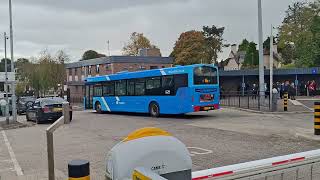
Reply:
x=154, y=109
x=98, y=107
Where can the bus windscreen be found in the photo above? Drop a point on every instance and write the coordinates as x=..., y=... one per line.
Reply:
x=205, y=75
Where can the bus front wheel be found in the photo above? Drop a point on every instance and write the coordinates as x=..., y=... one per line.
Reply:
x=154, y=109
x=98, y=107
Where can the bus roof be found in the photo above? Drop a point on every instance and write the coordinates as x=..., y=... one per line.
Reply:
x=144, y=73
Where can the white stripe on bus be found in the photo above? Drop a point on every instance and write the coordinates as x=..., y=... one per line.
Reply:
x=162, y=72
x=106, y=104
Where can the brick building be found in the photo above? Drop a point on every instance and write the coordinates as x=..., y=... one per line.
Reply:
x=76, y=72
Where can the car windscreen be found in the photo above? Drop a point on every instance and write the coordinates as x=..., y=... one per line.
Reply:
x=205, y=75
x=26, y=99
x=48, y=101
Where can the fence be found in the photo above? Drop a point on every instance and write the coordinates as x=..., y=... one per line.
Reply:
x=246, y=99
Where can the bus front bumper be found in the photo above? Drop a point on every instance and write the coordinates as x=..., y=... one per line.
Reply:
x=206, y=108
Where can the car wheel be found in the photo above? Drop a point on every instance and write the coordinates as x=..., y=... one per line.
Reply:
x=154, y=109
x=27, y=117
x=98, y=107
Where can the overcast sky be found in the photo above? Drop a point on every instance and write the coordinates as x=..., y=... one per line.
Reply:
x=79, y=25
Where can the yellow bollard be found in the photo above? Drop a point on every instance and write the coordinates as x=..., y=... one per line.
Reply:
x=317, y=118
x=79, y=170
x=285, y=102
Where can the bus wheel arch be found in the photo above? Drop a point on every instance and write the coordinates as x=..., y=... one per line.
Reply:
x=154, y=109
x=97, y=106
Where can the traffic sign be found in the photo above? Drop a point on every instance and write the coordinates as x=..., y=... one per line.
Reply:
x=11, y=76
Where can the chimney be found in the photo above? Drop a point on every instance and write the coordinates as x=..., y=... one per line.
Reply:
x=234, y=48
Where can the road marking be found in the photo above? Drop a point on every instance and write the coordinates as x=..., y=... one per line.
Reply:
x=198, y=151
x=6, y=169
x=12, y=155
x=296, y=102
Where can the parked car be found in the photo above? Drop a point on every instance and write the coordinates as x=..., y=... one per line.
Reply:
x=23, y=103
x=46, y=109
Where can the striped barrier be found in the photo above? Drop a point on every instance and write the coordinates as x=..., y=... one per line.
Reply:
x=267, y=167
x=317, y=118
x=285, y=102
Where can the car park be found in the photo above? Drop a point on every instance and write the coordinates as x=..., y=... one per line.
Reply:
x=46, y=109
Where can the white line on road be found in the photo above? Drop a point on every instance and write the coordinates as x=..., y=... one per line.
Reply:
x=12, y=155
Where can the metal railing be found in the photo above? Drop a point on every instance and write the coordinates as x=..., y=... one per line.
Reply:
x=246, y=99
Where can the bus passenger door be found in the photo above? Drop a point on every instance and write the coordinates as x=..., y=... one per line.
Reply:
x=88, y=96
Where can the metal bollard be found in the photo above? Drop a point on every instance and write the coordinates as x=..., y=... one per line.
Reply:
x=79, y=170
x=317, y=118
x=285, y=102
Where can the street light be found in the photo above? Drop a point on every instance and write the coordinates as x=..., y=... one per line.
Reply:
x=261, y=63
x=5, y=37
x=14, y=109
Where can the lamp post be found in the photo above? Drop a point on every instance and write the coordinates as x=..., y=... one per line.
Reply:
x=271, y=66
x=14, y=109
x=261, y=62
x=5, y=37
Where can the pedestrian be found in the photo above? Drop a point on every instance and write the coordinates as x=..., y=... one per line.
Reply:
x=292, y=92
x=312, y=88
x=275, y=93
x=3, y=106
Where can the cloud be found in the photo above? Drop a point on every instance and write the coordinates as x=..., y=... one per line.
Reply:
x=79, y=25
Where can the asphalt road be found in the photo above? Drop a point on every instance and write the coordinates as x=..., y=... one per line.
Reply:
x=218, y=138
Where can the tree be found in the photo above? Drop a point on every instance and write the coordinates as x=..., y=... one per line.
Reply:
x=214, y=41
x=137, y=41
x=251, y=59
x=296, y=30
x=190, y=48
x=91, y=54
x=244, y=45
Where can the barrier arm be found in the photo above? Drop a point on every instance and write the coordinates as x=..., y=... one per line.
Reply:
x=259, y=167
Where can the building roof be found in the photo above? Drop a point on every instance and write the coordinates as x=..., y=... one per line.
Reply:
x=255, y=72
x=122, y=59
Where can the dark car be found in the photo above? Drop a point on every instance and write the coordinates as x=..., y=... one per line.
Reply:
x=46, y=109
x=23, y=103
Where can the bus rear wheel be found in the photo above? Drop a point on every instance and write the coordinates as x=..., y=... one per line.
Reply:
x=154, y=109
x=98, y=107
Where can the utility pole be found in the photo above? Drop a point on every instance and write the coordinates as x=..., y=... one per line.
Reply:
x=271, y=66
x=5, y=37
x=13, y=89
x=261, y=63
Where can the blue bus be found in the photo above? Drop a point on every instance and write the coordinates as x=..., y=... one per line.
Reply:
x=174, y=90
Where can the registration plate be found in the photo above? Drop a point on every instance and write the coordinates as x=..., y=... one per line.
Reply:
x=57, y=109
x=206, y=97
x=32, y=115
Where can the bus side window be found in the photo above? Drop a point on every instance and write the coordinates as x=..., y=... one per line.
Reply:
x=97, y=90
x=153, y=86
x=130, y=87
x=180, y=80
x=140, y=87
x=121, y=88
x=108, y=89
x=167, y=85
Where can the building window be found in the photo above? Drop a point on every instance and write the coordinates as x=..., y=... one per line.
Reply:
x=125, y=69
x=77, y=87
x=142, y=67
x=108, y=67
x=70, y=72
x=76, y=71
x=153, y=67
x=89, y=70
x=97, y=68
x=163, y=66
x=82, y=70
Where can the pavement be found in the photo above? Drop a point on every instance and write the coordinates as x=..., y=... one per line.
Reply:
x=215, y=138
